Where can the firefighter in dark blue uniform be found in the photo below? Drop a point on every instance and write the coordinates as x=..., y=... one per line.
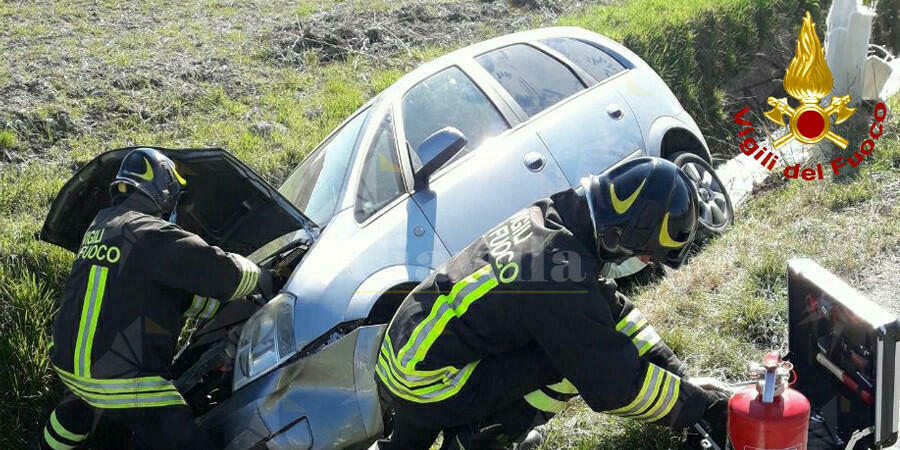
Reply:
x=503, y=334
x=134, y=280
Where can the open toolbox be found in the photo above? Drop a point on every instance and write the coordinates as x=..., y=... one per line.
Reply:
x=844, y=351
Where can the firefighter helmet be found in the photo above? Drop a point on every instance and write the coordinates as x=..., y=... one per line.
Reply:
x=645, y=206
x=149, y=171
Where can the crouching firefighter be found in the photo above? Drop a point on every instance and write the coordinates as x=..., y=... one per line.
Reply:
x=504, y=333
x=133, y=282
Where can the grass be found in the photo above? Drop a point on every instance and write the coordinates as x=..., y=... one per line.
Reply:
x=700, y=47
x=152, y=72
x=728, y=305
x=8, y=139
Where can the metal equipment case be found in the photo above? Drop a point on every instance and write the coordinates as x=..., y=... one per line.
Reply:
x=844, y=349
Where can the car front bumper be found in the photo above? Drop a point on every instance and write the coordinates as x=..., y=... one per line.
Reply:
x=326, y=400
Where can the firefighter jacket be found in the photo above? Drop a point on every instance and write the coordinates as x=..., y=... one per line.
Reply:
x=534, y=278
x=133, y=280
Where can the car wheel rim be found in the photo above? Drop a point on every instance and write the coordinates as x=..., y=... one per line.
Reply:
x=713, y=206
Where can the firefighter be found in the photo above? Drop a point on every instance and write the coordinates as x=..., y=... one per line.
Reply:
x=135, y=279
x=504, y=333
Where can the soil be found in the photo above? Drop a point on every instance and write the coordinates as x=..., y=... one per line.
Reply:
x=342, y=31
x=90, y=68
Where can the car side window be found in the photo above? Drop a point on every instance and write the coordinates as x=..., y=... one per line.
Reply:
x=534, y=79
x=449, y=99
x=598, y=63
x=382, y=178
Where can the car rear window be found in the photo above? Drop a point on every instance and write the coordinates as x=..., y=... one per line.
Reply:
x=534, y=79
x=598, y=63
x=449, y=99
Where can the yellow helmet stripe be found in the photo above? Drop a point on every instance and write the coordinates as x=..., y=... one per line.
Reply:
x=148, y=173
x=664, y=239
x=178, y=177
x=622, y=205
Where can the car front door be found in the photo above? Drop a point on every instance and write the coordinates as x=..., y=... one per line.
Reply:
x=498, y=172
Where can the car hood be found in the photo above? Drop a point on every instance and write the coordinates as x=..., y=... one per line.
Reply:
x=225, y=202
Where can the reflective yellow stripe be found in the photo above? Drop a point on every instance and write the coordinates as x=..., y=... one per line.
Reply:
x=544, y=402
x=242, y=285
x=667, y=399
x=456, y=384
x=102, y=396
x=415, y=372
x=645, y=340
x=127, y=400
x=564, y=387
x=398, y=370
x=62, y=431
x=249, y=276
x=90, y=312
x=485, y=283
x=660, y=400
x=53, y=443
x=442, y=305
x=409, y=380
x=649, y=389
x=105, y=393
x=631, y=322
x=153, y=380
x=671, y=403
x=123, y=392
x=212, y=305
x=93, y=320
x=412, y=386
x=85, y=314
x=171, y=401
x=197, y=305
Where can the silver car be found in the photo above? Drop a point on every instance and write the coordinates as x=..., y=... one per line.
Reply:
x=407, y=181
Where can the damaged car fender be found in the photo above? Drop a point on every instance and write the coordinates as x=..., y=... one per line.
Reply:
x=333, y=284
x=330, y=395
x=382, y=283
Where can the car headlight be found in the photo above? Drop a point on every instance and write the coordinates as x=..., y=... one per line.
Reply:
x=266, y=341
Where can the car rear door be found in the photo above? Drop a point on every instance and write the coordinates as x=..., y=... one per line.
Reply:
x=587, y=130
x=500, y=171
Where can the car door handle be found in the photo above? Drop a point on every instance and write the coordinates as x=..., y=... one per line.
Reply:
x=534, y=161
x=615, y=111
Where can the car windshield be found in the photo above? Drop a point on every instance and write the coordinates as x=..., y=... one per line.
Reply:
x=315, y=185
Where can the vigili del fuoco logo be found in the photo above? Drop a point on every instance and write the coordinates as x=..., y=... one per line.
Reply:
x=808, y=80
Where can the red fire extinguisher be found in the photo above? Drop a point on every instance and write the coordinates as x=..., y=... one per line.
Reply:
x=770, y=414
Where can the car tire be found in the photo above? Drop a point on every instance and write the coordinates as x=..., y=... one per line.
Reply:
x=715, y=210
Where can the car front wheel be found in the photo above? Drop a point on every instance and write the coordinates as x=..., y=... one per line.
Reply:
x=714, y=205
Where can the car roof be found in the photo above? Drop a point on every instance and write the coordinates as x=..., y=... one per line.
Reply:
x=472, y=51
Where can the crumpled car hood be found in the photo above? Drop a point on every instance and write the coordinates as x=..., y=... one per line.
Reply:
x=225, y=201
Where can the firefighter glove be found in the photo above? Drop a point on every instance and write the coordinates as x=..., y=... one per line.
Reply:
x=715, y=419
x=711, y=384
x=266, y=285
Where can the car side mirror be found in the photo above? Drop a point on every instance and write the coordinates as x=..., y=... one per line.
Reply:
x=436, y=150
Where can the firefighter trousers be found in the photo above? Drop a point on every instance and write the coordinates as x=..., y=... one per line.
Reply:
x=166, y=427
x=488, y=412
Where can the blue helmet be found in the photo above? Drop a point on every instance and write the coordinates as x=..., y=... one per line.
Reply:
x=151, y=173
